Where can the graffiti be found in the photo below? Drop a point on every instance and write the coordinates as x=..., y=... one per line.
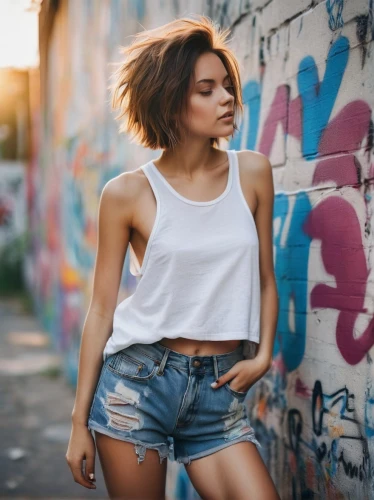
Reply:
x=314, y=105
x=310, y=110
x=323, y=404
x=12, y=209
x=224, y=12
x=347, y=263
x=341, y=222
x=318, y=98
x=335, y=222
x=335, y=10
x=353, y=471
x=6, y=213
x=291, y=256
x=332, y=418
x=252, y=100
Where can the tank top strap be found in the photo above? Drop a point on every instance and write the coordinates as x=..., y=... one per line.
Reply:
x=237, y=194
x=157, y=183
x=156, y=186
x=233, y=158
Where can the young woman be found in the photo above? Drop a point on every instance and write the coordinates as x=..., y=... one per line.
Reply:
x=198, y=219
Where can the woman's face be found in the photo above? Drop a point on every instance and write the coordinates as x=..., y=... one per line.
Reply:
x=210, y=96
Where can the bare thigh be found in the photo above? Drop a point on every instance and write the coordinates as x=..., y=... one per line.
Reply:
x=233, y=473
x=124, y=477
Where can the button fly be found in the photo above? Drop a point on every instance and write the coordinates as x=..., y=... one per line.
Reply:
x=196, y=362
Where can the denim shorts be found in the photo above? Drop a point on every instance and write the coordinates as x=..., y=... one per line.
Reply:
x=160, y=399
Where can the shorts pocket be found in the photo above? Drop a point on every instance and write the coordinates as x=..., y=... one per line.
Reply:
x=134, y=367
x=233, y=392
x=237, y=394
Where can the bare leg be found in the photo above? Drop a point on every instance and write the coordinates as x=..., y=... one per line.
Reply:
x=233, y=473
x=127, y=479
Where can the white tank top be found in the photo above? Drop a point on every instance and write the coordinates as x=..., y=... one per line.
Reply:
x=200, y=273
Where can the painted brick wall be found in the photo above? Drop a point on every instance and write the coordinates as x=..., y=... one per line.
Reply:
x=308, y=73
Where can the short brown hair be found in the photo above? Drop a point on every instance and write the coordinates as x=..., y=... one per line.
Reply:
x=150, y=87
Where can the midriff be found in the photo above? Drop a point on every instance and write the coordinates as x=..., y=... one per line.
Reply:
x=200, y=347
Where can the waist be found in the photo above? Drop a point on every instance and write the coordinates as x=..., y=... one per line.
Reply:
x=190, y=347
x=158, y=353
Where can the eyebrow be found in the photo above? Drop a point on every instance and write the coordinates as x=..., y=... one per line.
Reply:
x=211, y=80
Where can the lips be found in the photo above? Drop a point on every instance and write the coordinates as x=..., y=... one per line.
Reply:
x=228, y=113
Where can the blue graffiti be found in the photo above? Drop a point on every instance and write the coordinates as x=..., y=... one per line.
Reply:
x=318, y=98
x=335, y=9
x=291, y=270
x=252, y=108
x=369, y=408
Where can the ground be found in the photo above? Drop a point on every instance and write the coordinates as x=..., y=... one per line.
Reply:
x=35, y=413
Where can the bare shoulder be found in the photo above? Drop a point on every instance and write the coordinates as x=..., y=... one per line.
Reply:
x=253, y=163
x=256, y=171
x=122, y=191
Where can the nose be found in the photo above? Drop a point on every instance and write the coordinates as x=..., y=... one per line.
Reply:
x=226, y=96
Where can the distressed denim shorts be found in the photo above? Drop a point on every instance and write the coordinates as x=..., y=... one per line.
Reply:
x=160, y=399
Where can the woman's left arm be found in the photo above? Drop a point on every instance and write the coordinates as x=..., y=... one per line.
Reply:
x=264, y=186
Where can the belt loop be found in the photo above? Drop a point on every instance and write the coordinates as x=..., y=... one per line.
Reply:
x=160, y=371
x=215, y=364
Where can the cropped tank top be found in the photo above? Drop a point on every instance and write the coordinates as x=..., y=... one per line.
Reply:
x=199, y=278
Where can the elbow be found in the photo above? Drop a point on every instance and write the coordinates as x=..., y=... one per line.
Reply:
x=268, y=282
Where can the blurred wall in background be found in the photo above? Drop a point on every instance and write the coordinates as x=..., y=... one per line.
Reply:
x=14, y=150
x=307, y=73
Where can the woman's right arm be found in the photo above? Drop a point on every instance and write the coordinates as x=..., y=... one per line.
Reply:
x=114, y=225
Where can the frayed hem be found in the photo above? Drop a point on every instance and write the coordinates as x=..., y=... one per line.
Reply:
x=140, y=447
x=187, y=460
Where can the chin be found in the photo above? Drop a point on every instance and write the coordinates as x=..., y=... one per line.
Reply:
x=227, y=129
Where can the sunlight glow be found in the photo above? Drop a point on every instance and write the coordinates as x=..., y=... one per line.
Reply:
x=18, y=34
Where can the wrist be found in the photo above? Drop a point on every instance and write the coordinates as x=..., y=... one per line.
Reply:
x=265, y=360
x=79, y=420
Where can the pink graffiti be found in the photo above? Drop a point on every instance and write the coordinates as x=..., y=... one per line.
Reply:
x=302, y=390
x=6, y=211
x=335, y=222
x=284, y=111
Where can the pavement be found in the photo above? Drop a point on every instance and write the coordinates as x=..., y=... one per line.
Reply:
x=35, y=412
